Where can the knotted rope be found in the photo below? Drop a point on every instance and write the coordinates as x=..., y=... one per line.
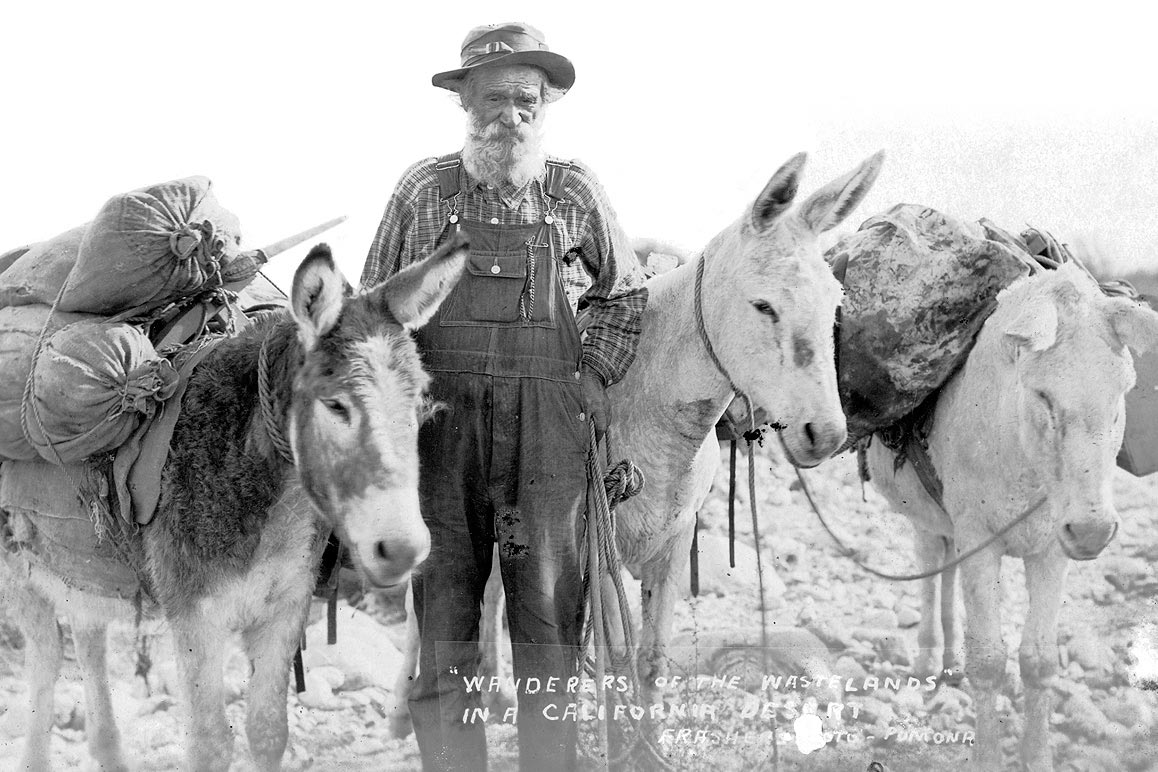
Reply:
x=622, y=481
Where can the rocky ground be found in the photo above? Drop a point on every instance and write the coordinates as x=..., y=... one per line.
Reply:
x=824, y=615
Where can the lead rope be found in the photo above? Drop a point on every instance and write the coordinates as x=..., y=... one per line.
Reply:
x=698, y=303
x=605, y=491
x=854, y=555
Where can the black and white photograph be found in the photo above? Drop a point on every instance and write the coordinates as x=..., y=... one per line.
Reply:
x=604, y=386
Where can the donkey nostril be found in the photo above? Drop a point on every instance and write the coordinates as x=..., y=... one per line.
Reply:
x=380, y=551
x=810, y=433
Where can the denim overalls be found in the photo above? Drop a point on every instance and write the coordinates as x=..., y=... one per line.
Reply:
x=502, y=466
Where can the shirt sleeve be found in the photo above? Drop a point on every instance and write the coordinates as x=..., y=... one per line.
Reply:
x=616, y=297
x=388, y=254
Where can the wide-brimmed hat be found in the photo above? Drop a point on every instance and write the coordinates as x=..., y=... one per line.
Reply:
x=512, y=43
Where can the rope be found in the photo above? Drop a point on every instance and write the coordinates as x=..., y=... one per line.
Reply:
x=698, y=303
x=622, y=481
x=265, y=398
x=854, y=555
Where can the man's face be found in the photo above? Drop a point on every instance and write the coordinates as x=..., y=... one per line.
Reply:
x=509, y=96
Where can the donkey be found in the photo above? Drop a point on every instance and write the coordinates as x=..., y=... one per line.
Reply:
x=768, y=303
x=1032, y=421
x=239, y=523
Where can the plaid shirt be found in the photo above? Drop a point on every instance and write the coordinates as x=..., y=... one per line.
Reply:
x=598, y=269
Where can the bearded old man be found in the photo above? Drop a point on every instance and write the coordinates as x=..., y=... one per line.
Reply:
x=503, y=460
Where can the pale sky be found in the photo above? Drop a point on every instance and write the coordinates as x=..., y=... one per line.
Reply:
x=300, y=112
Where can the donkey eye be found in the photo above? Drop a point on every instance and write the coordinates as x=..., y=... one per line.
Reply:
x=338, y=408
x=764, y=307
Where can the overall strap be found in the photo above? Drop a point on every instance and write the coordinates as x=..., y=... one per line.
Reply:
x=448, y=179
x=555, y=183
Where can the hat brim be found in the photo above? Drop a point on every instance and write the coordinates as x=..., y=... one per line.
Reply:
x=559, y=69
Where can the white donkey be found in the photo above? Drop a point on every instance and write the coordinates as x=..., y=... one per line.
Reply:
x=768, y=302
x=1035, y=414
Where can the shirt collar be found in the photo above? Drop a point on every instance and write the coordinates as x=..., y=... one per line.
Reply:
x=508, y=193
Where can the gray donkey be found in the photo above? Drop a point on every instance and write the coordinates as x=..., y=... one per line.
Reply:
x=238, y=526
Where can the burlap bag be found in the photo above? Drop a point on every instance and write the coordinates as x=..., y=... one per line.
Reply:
x=37, y=275
x=151, y=246
x=20, y=329
x=93, y=385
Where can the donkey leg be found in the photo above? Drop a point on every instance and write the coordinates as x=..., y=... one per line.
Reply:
x=104, y=739
x=199, y=645
x=36, y=617
x=659, y=588
x=492, y=646
x=271, y=645
x=397, y=710
x=1038, y=654
x=930, y=549
x=952, y=670
x=985, y=651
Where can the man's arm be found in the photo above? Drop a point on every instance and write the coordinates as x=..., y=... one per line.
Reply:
x=388, y=252
x=616, y=297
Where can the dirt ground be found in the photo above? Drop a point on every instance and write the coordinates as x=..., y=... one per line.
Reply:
x=1105, y=717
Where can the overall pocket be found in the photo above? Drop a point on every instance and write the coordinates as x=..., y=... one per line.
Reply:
x=489, y=291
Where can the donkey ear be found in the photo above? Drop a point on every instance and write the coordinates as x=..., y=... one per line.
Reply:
x=414, y=294
x=319, y=290
x=777, y=195
x=1135, y=324
x=827, y=207
x=1034, y=328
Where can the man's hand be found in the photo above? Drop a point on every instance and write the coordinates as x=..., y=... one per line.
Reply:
x=595, y=400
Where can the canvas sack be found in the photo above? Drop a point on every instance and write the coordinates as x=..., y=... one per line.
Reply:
x=37, y=275
x=20, y=328
x=93, y=385
x=151, y=246
x=918, y=286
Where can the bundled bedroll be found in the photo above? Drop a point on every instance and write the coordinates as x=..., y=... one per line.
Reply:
x=918, y=286
x=78, y=373
x=86, y=392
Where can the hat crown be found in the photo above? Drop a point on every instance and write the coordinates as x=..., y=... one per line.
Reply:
x=490, y=39
x=512, y=43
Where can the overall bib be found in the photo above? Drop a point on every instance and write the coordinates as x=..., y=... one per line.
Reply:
x=502, y=466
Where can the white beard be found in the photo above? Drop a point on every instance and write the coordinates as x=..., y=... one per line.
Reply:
x=495, y=154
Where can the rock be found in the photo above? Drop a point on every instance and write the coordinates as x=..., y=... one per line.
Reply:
x=909, y=700
x=319, y=694
x=950, y=702
x=908, y=617
x=717, y=577
x=875, y=711
x=1089, y=650
x=887, y=642
x=1129, y=708
x=884, y=619
x=846, y=667
x=1124, y=571
x=363, y=655
x=68, y=705
x=1083, y=717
